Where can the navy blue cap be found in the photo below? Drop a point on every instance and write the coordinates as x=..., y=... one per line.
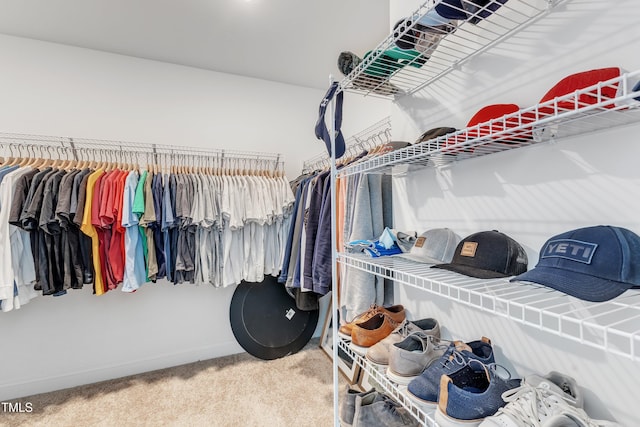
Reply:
x=321, y=127
x=451, y=9
x=593, y=263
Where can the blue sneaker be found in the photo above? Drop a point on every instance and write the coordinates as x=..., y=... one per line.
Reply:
x=424, y=389
x=471, y=394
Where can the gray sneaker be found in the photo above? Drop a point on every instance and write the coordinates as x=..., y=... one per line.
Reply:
x=384, y=413
x=378, y=354
x=411, y=356
x=348, y=406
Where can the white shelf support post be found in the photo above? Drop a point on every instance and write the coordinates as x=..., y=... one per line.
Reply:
x=334, y=266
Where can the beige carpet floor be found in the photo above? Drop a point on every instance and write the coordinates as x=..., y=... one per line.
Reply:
x=238, y=391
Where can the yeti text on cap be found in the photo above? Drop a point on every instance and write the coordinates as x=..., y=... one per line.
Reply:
x=574, y=250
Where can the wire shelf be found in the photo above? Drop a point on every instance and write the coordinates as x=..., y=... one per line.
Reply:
x=612, y=326
x=586, y=110
x=433, y=51
x=390, y=388
x=373, y=136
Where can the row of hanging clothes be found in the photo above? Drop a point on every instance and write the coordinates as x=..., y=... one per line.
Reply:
x=71, y=217
x=363, y=210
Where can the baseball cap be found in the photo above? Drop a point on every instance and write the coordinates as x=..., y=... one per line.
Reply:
x=581, y=80
x=488, y=255
x=592, y=263
x=434, y=133
x=451, y=9
x=405, y=41
x=433, y=246
x=347, y=61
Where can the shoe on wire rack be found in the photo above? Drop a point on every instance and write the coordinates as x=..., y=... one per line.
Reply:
x=370, y=412
x=366, y=334
x=471, y=394
x=411, y=356
x=378, y=354
x=396, y=312
x=348, y=406
x=424, y=388
x=550, y=401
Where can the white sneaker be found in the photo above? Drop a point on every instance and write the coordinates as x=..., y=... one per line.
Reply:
x=550, y=401
x=538, y=399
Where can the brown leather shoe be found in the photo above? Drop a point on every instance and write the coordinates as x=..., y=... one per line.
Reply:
x=395, y=311
x=366, y=334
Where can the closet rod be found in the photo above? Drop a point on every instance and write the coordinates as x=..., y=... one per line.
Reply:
x=61, y=147
x=78, y=143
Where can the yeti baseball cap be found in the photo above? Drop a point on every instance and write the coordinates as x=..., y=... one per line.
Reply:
x=593, y=263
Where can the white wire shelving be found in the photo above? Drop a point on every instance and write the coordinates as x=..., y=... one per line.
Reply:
x=612, y=326
x=388, y=71
x=371, y=137
x=388, y=387
x=605, y=105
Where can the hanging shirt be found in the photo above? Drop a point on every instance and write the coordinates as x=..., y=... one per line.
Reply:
x=21, y=250
x=30, y=221
x=174, y=230
x=113, y=216
x=196, y=214
x=147, y=222
x=71, y=256
x=134, y=271
x=88, y=229
x=105, y=220
x=85, y=242
x=52, y=232
x=102, y=232
x=158, y=237
x=19, y=215
x=207, y=244
x=17, y=269
x=168, y=222
x=138, y=209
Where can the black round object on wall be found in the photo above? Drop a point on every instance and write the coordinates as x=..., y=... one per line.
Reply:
x=266, y=322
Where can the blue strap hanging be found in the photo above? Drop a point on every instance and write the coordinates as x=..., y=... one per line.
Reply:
x=321, y=127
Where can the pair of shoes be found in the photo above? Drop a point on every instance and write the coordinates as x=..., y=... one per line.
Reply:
x=424, y=388
x=396, y=312
x=411, y=356
x=378, y=354
x=379, y=410
x=550, y=401
x=471, y=394
x=348, y=405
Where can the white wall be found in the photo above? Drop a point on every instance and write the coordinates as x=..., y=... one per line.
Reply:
x=532, y=193
x=50, y=89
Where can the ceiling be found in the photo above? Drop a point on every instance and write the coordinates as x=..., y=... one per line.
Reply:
x=289, y=41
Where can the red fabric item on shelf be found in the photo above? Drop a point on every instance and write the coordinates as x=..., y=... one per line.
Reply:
x=573, y=83
x=582, y=80
x=486, y=114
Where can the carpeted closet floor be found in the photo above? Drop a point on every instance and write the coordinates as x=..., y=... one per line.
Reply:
x=238, y=391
